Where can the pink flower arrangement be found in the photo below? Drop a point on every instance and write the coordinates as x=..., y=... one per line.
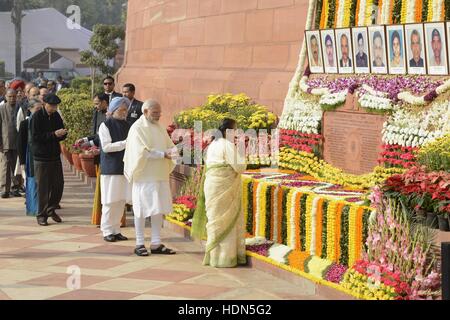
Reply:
x=188, y=201
x=335, y=273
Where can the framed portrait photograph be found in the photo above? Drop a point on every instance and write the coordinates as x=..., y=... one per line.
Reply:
x=344, y=50
x=396, y=49
x=436, y=44
x=377, y=46
x=360, y=50
x=415, y=48
x=329, y=51
x=314, y=51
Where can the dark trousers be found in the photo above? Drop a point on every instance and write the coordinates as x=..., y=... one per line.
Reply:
x=7, y=166
x=50, y=185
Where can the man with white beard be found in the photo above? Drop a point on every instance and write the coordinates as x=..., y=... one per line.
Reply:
x=116, y=191
x=149, y=161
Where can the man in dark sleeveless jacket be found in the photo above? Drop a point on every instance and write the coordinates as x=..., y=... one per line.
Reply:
x=116, y=191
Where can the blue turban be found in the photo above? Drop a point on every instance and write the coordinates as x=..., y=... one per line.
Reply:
x=116, y=103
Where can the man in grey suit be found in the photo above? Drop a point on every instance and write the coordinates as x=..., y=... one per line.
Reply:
x=135, y=109
x=8, y=146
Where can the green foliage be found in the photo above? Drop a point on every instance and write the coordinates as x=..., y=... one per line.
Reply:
x=319, y=6
x=93, y=12
x=248, y=114
x=84, y=84
x=76, y=108
x=103, y=47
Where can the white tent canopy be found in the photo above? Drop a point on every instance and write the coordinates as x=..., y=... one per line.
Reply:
x=41, y=28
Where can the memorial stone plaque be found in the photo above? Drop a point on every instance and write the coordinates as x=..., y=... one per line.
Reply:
x=352, y=140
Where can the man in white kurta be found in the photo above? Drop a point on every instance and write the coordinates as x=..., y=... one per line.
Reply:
x=116, y=191
x=149, y=161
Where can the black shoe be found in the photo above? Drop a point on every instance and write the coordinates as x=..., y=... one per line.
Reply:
x=5, y=195
x=120, y=237
x=16, y=194
x=58, y=207
x=42, y=221
x=141, y=251
x=110, y=238
x=56, y=218
x=129, y=207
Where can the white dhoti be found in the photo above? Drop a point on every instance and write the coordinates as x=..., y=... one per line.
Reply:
x=116, y=192
x=151, y=199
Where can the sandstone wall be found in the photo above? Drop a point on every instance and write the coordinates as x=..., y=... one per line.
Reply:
x=179, y=51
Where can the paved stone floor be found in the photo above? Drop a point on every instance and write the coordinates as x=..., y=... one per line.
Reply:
x=37, y=262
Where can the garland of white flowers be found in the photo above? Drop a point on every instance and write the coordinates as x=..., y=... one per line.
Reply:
x=361, y=13
x=340, y=14
x=303, y=116
x=385, y=14
x=333, y=99
x=370, y=101
x=437, y=10
x=416, y=129
x=411, y=12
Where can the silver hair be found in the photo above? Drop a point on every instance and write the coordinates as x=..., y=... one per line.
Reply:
x=149, y=104
x=34, y=102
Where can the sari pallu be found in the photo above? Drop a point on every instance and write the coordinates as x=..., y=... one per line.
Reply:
x=219, y=214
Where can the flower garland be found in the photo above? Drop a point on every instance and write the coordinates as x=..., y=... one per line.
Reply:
x=300, y=141
x=404, y=11
x=418, y=14
x=303, y=116
x=415, y=129
x=396, y=12
x=437, y=10
x=332, y=101
x=313, y=225
x=361, y=13
x=308, y=223
x=398, y=156
x=411, y=11
x=375, y=103
x=368, y=13
x=431, y=4
x=424, y=16
x=319, y=169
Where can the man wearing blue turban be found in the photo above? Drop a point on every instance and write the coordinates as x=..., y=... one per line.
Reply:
x=116, y=191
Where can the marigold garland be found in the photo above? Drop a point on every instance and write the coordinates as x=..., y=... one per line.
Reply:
x=354, y=13
x=309, y=204
x=368, y=13
x=352, y=217
x=396, y=12
x=430, y=10
x=324, y=17
x=331, y=227
x=289, y=217
x=404, y=11
x=297, y=258
x=418, y=16
x=324, y=229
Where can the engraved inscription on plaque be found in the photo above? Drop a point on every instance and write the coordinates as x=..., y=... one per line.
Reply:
x=352, y=141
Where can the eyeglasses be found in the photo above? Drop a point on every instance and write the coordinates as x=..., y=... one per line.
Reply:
x=107, y=83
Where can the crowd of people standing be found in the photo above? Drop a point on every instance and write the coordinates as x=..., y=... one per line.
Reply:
x=133, y=167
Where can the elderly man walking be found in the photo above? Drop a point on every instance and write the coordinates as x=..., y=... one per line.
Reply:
x=116, y=190
x=8, y=146
x=47, y=130
x=148, y=164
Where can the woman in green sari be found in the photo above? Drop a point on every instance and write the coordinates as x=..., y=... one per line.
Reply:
x=219, y=208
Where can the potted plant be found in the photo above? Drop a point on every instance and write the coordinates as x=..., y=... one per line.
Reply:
x=67, y=154
x=443, y=222
x=87, y=161
x=76, y=158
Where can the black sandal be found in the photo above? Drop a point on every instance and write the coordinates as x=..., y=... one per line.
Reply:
x=141, y=251
x=162, y=249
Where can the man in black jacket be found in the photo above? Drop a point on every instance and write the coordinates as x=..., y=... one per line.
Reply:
x=47, y=130
x=109, y=85
x=135, y=109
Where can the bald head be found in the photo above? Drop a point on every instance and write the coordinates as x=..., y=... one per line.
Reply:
x=34, y=93
x=152, y=110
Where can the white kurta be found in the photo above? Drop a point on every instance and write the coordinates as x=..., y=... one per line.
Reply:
x=152, y=198
x=114, y=188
